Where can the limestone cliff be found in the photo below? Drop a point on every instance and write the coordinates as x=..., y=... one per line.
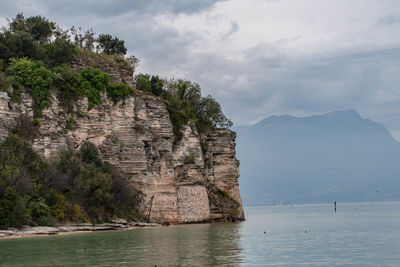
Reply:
x=191, y=180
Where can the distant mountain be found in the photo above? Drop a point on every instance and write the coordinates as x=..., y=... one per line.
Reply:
x=338, y=156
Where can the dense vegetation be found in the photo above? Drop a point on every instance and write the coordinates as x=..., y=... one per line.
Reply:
x=34, y=56
x=40, y=39
x=185, y=103
x=35, y=38
x=90, y=82
x=77, y=187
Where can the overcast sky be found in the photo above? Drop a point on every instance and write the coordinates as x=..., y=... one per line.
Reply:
x=256, y=57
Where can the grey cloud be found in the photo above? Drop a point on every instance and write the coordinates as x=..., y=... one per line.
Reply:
x=106, y=8
x=389, y=20
x=367, y=81
x=187, y=6
x=234, y=28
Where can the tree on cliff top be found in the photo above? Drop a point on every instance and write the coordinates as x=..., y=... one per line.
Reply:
x=185, y=97
x=210, y=114
x=185, y=103
x=110, y=45
x=38, y=38
x=39, y=28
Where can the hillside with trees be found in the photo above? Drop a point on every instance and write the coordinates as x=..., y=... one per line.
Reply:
x=38, y=56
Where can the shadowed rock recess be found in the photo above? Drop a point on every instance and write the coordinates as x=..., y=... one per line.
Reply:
x=137, y=137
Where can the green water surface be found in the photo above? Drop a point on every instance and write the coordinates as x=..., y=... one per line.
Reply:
x=185, y=245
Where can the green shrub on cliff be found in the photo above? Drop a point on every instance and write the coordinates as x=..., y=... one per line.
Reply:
x=178, y=120
x=90, y=82
x=89, y=153
x=93, y=82
x=150, y=83
x=143, y=82
x=209, y=114
x=119, y=91
x=185, y=103
x=190, y=159
x=4, y=82
x=68, y=86
x=29, y=47
x=186, y=97
x=70, y=123
x=26, y=73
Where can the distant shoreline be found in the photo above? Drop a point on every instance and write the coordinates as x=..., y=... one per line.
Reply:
x=290, y=204
x=28, y=231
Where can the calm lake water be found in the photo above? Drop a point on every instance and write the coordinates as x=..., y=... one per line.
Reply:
x=366, y=234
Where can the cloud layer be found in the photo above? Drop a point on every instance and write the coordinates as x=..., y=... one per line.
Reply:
x=257, y=57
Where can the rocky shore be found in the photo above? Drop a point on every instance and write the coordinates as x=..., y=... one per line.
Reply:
x=28, y=231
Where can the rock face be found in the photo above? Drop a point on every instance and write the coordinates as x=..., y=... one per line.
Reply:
x=191, y=180
x=222, y=170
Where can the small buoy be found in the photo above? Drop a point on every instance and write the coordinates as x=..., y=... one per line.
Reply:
x=305, y=231
x=265, y=232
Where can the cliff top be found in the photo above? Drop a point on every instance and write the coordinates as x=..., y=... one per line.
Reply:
x=40, y=56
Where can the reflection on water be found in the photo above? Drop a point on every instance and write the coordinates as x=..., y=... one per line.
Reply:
x=365, y=234
x=186, y=245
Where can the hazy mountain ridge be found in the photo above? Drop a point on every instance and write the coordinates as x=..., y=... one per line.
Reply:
x=338, y=156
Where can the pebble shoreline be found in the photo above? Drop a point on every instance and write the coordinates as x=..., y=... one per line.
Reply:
x=28, y=231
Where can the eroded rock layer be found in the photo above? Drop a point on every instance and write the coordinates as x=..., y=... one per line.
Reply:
x=191, y=180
